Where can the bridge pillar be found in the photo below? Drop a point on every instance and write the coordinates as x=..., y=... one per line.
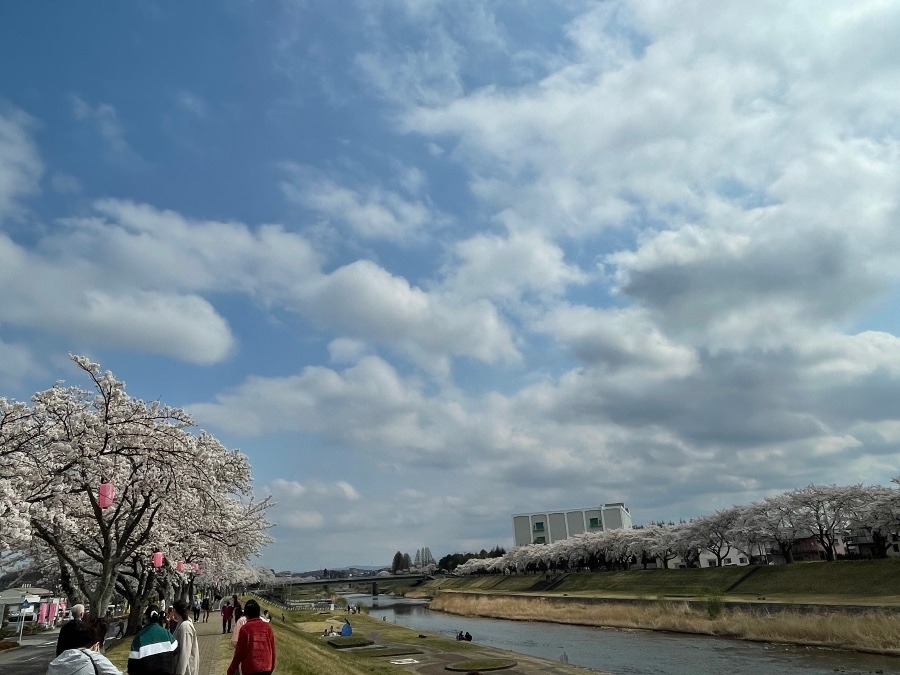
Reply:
x=375, y=588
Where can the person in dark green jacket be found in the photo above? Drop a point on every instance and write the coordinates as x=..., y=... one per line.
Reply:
x=153, y=650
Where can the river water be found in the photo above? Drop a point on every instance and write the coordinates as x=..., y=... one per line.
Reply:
x=629, y=651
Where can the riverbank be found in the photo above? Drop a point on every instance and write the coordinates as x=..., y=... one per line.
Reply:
x=872, y=630
x=302, y=650
x=426, y=653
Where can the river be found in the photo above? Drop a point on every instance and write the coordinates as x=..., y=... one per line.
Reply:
x=630, y=651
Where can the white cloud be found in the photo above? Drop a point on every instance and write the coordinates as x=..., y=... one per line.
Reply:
x=391, y=415
x=176, y=261
x=104, y=120
x=345, y=350
x=369, y=211
x=310, y=506
x=506, y=268
x=365, y=300
x=20, y=164
x=618, y=339
x=604, y=141
x=73, y=300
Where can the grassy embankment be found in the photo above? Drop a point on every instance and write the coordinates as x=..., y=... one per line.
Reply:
x=696, y=601
x=302, y=651
x=298, y=652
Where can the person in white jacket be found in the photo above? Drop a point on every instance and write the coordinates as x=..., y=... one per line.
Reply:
x=189, y=648
x=85, y=659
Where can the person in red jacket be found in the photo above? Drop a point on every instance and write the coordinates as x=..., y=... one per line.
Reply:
x=255, y=649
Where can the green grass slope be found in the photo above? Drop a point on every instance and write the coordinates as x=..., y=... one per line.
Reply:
x=844, y=581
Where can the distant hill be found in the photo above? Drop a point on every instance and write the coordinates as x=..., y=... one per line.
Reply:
x=349, y=569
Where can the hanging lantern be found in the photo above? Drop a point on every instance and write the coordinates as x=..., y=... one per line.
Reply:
x=195, y=567
x=106, y=494
x=158, y=559
x=179, y=566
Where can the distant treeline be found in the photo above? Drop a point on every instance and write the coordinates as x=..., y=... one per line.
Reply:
x=451, y=561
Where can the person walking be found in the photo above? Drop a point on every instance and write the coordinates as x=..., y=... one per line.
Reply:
x=254, y=653
x=68, y=633
x=227, y=613
x=238, y=623
x=153, y=648
x=188, y=646
x=85, y=658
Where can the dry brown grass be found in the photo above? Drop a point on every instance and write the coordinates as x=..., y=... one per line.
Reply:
x=876, y=631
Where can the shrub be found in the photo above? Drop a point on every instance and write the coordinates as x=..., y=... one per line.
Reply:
x=714, y=607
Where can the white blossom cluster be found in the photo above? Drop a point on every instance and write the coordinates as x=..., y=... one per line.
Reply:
x=176, y=491
x=826, y=513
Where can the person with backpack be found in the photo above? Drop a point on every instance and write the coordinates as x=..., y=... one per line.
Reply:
x=84, y=657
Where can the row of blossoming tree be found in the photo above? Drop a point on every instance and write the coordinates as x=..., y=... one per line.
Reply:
x=175, y=507
x=825, y=513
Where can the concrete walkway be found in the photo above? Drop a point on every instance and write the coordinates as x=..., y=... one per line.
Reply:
x=212, y=644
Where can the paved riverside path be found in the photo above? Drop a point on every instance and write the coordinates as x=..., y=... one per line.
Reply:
x=213, y=644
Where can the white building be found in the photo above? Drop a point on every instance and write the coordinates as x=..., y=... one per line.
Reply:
x=547, y=527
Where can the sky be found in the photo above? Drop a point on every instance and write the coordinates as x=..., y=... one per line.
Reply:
x=431, y=263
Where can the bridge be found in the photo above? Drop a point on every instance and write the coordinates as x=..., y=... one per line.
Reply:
x=282, y=587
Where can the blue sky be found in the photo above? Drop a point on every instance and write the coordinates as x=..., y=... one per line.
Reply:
x=432, y=263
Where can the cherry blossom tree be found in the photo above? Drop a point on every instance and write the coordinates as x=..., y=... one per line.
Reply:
x=177, y=491
x=687, y=544
x=827, y=510
x=19, y=471
x=659, y=541
x=751, y=531
x=878, y=516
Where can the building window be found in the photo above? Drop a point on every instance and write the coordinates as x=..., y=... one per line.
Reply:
x=742, y=560
x=594, y=522
x=540, y=540
x=539, y=527
x=727, y=561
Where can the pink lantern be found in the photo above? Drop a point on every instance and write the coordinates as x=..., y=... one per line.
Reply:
x=158, y=559
x=106, y=494
x=196, y=568
x=179, y=566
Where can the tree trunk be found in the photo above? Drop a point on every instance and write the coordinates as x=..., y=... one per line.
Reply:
x=65, y=580
x=787, y=552
x=136, y=589
x=880, y=544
